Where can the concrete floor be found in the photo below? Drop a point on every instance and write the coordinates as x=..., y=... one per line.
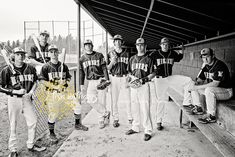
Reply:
x=112, y=142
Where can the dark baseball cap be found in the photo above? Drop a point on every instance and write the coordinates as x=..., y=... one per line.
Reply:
x=164, y=40
x=206, y=52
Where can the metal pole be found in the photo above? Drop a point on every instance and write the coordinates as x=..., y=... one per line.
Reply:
x=25, y=36
x=78, y=43
x=69, y=45
x=92, y=28
x=38, y=27
x=84, y=31
x=106, y=45
x=53, y=29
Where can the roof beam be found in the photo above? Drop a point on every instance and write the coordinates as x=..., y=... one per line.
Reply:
x=193, y=11
x=111, y=22
x=185, y=21
x=147, y=17
x=166, y=23
x=142, y=21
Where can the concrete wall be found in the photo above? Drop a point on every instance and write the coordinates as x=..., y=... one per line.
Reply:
x=224, y=50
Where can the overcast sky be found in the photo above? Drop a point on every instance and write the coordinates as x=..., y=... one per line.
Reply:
x=13, y=13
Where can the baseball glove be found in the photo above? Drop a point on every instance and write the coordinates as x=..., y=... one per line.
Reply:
x=103, y=84
x=135, y=83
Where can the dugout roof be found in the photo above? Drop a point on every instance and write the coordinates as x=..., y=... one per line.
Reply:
x=182, y=21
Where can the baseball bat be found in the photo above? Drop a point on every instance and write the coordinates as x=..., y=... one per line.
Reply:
x=63, y=55
x=35, y=40
x=203, y=65
x=6, y=59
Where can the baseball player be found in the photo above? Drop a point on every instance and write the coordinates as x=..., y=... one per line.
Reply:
x=117, y=65
x=165, y=59
x=141, y=67
x=93, y=67
x=19, y=88
x=34, y=56
x=214, y=82
x=55, y=85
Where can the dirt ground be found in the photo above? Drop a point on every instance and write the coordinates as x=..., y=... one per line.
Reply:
x=63, y=130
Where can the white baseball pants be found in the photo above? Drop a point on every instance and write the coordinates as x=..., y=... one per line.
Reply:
x=211, y=94
x=15, y=107
x=97, y=98
x=179, y=83
x=118, y=85
x=140, y=102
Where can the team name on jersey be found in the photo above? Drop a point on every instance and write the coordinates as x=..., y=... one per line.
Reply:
x=90, y=63
x=140, y=66
x=165, y=61
x=38, y=55
x=122, y=60
x=209, y=75
x=22, y=78
x=56, y=75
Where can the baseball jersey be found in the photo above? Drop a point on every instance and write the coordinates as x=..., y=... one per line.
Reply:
x=24, y=78
x=120, y=67
x=91, y=66
x=141, y=66
x=218, y=71
x=165, y=61
x=52, y=72
x=35, y=54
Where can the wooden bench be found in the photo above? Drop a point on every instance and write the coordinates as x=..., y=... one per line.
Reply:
x=220, y=138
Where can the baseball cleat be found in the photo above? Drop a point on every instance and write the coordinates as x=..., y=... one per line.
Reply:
x=116, y=124
x=159, y=126
x=37, y=148
x=130, y=132
x=81, y=127
x=147, y=137
x=207, y=119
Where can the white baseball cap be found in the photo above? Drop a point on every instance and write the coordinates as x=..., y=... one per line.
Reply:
x=19, y=50
x=117, y=37
x=45, y=32
x=140, y=41
x=52, y=47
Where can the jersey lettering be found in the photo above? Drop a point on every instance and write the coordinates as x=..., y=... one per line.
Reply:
x=140, y=66
x=209, y=75
x=56, y=75
x=122, y=60
x=90, y=63
x=22, y=78
x=165, y=61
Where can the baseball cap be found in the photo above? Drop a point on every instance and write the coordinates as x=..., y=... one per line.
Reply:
x=52, y=47
x=117, y=37
x=88, y=41
x=19, y=50
x=45, y=32
x=164, y=40
x=140, y=41
x=206, y=52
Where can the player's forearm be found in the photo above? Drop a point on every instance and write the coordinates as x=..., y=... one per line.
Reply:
x=105, y=71
x=110, y=65
x=151, y=76
x=33, y=88
x=81, y=77
x=211, y=84
x=6, y=90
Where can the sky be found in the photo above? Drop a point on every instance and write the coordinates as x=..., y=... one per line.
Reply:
x=13, y=13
